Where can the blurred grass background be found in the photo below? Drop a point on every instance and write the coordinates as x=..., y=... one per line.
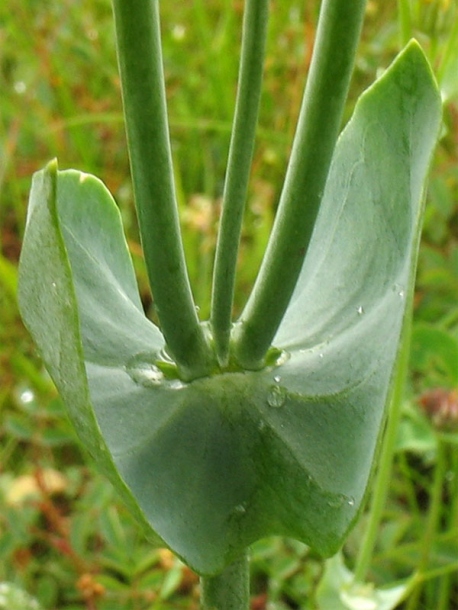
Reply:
x=64, y=537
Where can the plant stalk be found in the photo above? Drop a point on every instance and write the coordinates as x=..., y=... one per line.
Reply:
x=435, y=508
x=238, y=171
x=320, y=118
x=140, y=63
x=229, y=590
x=381, y=484
x=404, y=21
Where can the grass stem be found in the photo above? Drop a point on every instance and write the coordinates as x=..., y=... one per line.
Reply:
x=435, y=508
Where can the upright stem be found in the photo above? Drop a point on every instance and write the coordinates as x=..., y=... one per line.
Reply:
x=381, y=484
x=405, y=21
x=229, y=590
x=435, y=507
x=319, y=123
x=238, y=171
x=142, y=78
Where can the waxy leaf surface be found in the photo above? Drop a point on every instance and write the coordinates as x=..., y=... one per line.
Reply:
x=212, y=465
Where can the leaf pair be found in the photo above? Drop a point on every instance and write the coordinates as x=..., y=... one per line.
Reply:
x=214, y=464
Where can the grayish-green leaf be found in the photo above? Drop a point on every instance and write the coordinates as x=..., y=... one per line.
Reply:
x=338, y=590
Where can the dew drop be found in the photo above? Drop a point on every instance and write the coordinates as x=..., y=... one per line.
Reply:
x=351, y=501
x=143, y=372
x=277, y=378
x=176, y=384
x=240, y=509
x=360, y=310
x=401, y=294
x=26, y=397
x=54, y=284
x=277, y=397
x=321, y=355
x=337, y=501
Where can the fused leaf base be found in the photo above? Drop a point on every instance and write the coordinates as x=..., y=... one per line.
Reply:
x=214, y=464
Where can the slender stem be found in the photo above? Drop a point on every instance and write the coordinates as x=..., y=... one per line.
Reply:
x=445, y=588
x=382, y=480
x=217, y=82
x=142, y=78
x=319, y=123
x=446, y=583
x=229, y=590
x=436, y=500
x=238, y=171
x=448, y=53
x=405, y=21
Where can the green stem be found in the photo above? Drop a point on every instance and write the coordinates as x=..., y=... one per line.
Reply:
x=446, y=583
x=382, y=480
x=229, y=590
x=142, y=78
x=449, y=50
x=217, y=83
x=238, y=171
x=435, y=508
x=443, y=597
x=319, y=123
x=405, y=21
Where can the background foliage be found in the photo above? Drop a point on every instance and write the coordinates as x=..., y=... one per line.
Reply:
x=64, y=537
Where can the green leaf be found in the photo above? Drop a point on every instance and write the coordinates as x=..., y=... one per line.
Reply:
x=416, y=433
x=219, y=462
x=435, y=354
x=338, y=590
x=47, y=295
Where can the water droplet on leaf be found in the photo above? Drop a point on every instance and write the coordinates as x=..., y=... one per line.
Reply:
x=277, y=397
x=143, y=372
x=360, y=310
x=337, y=501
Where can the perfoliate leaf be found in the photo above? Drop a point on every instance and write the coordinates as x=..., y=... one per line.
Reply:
x=338, y=590
x=214, y=464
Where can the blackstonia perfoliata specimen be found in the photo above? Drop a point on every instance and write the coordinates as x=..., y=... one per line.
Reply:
x=212, y=464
